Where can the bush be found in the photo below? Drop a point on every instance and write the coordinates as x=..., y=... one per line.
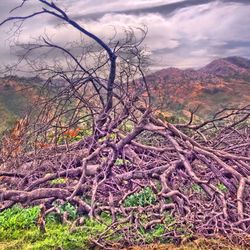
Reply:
x=144, y=198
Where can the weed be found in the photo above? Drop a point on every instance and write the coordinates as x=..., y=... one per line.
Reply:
x=197, y=189
x=120, y=162
x=58, y=181
x=127, y=126
x=143, y=198
x=168, y=200
x=158, y=186
x=19, y=218
x=69, y=209
x=222, y=187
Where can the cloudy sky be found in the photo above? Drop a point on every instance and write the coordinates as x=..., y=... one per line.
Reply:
x=181, y=33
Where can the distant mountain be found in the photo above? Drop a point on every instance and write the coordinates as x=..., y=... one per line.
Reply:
x=223, y=82
x=239, y=61
x=228, y=67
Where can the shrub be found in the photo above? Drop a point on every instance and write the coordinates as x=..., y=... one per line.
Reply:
x=144, y=198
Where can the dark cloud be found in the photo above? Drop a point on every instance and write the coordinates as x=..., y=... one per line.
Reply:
x=231, y=44
x=181, y=33
x=164, y=9
x=247, y=2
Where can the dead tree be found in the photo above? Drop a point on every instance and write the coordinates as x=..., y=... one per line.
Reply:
x=202, y=169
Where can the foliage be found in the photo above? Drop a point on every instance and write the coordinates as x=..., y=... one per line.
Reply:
x=222, y=187
x=197, y=189
x=150, y=236
x=18, y=218
x=68, y=208
x=143, y=198
x=156, y=232
x=73, y=135
x=127, y=126
x=120, y=162
x=58, y=181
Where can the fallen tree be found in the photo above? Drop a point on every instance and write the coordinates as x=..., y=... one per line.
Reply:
x=204, y=183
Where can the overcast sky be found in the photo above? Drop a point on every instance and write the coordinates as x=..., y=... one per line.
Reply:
x=181, y=33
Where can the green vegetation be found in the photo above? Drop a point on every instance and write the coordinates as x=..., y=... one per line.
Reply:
x=13, y=104
x=69, y=209
x=197, y=189
x=168, y=225
x=151, y=235
x=18, y=218
x=120, y=162
x=8, y=113
x=18, y=229
x=144, y=198
x=222, y=187
x=58, y=181
x=13, y=100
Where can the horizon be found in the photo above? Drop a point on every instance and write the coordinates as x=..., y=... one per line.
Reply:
x=151, y=72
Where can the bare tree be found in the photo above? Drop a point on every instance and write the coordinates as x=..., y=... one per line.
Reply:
x=202, y=169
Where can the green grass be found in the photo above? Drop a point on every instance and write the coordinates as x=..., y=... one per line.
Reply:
x=57, y=236
x=18, y=230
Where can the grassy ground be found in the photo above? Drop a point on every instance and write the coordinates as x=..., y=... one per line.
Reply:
x=19, y=231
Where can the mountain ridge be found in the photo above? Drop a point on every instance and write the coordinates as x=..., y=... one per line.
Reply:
x=230, y=65
x=222, y=82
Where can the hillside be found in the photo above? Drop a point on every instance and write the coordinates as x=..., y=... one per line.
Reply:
x=16, y=97
x=223, y=82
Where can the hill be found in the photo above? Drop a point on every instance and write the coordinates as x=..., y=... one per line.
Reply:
x=236, y=67
x=16, y=97
x=223, y=82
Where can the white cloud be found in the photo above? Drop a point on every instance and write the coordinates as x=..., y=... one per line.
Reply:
x=193, y=31
x=188, y=37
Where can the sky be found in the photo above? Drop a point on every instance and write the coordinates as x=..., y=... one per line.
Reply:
x=181, y=33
